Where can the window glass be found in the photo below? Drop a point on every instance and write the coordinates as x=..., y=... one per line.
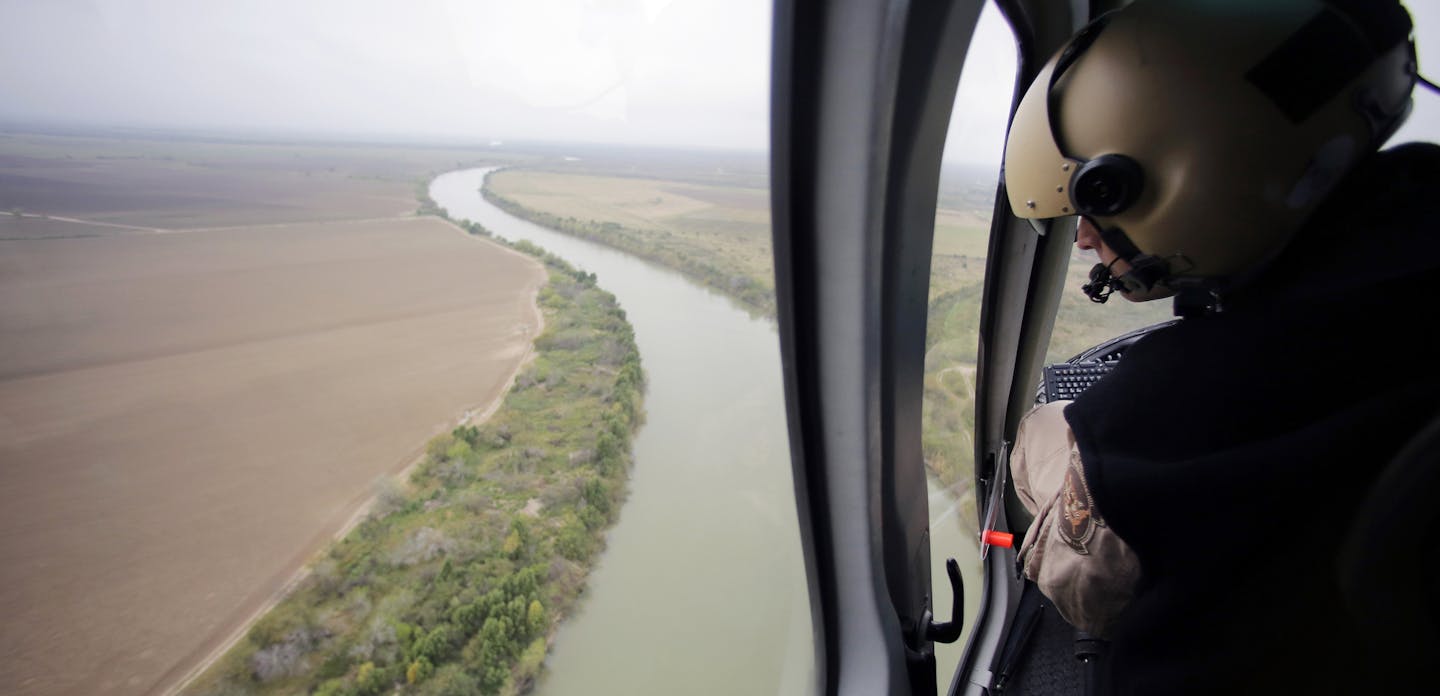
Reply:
x=969, y=177
x=416, y=347
x=1423, y=125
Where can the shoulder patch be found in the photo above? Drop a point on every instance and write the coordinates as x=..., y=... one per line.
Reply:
x=1078, y=518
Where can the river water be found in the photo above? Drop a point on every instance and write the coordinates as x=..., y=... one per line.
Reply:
x=701, y=588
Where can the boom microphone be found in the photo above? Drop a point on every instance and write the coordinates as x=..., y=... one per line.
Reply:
x=1102, y=283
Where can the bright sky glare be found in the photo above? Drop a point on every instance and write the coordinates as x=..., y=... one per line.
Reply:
x=634, y=71
x=655, y=72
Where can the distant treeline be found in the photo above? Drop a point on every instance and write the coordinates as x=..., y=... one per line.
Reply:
x=428, y=206
x=714, y=273
x=456, y=582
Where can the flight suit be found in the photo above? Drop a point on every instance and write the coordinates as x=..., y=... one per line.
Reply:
x=1087, y=571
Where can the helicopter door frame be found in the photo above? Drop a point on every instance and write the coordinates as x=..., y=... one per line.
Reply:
x=1024, y=275
x=861, y=98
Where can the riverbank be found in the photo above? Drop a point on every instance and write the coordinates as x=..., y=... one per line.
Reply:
x=702, y=582
x=690, y=229
x=456, y=581
x=472, y=415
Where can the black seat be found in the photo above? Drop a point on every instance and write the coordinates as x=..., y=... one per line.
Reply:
x=1390, y=565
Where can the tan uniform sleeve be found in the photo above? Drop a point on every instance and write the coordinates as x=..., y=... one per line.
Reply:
x=1083, y=567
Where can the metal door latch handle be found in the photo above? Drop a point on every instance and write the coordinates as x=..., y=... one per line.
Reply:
x=949, y=632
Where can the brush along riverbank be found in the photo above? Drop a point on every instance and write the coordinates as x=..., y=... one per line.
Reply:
x=459, y=577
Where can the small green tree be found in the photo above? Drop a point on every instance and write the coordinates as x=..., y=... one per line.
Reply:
x=451, y=680
x=459, y=451
x=418, y=670
x=530, y=662
x=436, y=644
x=495, y=651
x=369, y=680
x=535, y=616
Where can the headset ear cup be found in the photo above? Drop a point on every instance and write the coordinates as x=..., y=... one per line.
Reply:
x=1107, y=185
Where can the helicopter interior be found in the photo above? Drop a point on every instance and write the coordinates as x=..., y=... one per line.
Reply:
x=861, y=98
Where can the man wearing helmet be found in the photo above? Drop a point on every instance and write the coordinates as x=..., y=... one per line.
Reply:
x=1191, y=505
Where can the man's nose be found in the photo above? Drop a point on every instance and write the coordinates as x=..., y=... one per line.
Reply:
x=1086, y=236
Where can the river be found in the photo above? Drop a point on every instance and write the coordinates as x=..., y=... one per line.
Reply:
x=701, y=588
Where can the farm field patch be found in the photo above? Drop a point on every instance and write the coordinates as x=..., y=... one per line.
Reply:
x=186, y=417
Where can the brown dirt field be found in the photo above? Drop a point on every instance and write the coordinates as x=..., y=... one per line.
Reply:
x=179, y=183
x=164, y=193
x=14, y=228
x=186, y=418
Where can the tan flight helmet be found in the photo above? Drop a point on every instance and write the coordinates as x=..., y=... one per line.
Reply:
x=1198, y=135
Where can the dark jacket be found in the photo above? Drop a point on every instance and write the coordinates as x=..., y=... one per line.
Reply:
x=1231, y=451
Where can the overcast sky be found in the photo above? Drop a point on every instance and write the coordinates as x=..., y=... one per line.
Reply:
x=660, y=72
x=640, y=71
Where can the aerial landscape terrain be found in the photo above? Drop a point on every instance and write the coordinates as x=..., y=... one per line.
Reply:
x=433, y=348
x=275, y=423
x=214, y=356
x=712, y=224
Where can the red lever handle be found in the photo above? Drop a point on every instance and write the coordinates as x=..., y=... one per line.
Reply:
x=1004, y=540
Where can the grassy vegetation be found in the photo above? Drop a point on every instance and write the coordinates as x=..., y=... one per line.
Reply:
x=457, y=579
x=718, y=236
x=949, y=410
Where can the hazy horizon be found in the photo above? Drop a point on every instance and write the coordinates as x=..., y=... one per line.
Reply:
x=687, y=74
